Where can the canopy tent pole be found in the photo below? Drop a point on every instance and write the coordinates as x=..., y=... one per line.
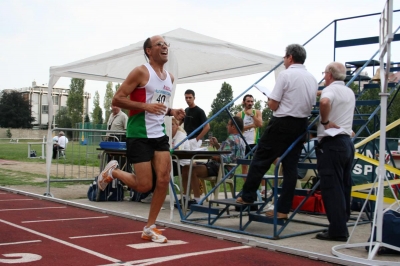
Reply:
x=49, y=143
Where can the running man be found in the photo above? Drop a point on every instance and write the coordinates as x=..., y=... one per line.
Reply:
x=146, y=93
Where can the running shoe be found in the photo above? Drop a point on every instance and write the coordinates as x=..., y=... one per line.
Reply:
x=153, y=234
x=147, y=199
x=104, y=177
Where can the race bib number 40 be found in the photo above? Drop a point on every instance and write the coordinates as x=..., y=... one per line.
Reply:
x=162, y=96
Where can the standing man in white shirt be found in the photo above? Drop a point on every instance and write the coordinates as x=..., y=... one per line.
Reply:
x=291, y=101
x=117, y=121
x=335, y=155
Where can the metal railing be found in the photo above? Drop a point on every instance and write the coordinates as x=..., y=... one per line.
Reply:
x=80, y=161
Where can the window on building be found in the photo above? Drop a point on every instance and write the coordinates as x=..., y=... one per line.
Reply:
x=55, y=99
x=45, y=109
x=44, y=99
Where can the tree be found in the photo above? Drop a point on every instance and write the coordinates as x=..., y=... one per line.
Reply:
x=117, y=87
x=62, y=118
x=75, y=100
x=257, y=104
x=218, y=125
x=237, y=108
x=224, y=96
x=394, y=113
x=15, y=111
x=108, y=99
x=266, y=115
x=97, y=115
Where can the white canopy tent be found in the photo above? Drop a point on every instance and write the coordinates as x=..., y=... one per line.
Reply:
x=193, y=58
x=201, y=58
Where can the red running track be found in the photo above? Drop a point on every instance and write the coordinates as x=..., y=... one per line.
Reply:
x=41, y=232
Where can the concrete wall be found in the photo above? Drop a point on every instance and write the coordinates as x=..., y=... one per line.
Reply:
x=19, y=133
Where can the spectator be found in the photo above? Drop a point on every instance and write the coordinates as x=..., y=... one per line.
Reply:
x=117, y=121
x=194, y=118
x=291, y=101
x=60, y=145
x=252, y=122
x=233, y=143
x=335, y=155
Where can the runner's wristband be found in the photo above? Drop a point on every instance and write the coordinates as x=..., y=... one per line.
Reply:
x=327, y=122
x=169, y=112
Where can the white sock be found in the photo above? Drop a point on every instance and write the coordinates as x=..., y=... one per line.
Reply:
x=262, y=188
x=146, y=228
x=197, y=199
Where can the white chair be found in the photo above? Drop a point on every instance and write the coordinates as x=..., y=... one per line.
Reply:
x=216, y=179
x=61, y=152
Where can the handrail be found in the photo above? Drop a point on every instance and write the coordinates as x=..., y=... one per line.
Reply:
x=366, y=63
x=276, y=233
x=361, y=16
x=269, y=72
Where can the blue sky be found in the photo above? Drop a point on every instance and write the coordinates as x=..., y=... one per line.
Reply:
x=37, y=34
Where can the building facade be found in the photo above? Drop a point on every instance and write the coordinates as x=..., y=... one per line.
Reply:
x=37, y=97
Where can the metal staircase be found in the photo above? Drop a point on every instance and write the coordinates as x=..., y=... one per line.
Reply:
x=366, y=121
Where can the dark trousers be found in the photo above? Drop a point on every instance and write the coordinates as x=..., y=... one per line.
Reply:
x=56, y=150
x=280, y=133
x=335, y=157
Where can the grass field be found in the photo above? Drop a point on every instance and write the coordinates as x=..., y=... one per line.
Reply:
x=76, y=154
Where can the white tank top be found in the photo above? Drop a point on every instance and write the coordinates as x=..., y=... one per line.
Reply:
x=142, y=124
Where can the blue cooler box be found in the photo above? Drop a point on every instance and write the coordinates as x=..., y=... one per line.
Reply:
x=109, y=145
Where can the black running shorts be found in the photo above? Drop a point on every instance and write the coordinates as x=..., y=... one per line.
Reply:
x=140, y=150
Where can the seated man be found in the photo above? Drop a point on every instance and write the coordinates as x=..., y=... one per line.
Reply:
x=233, y=143
x=60, y=145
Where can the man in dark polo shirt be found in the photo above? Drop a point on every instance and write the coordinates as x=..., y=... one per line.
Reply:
x=194, y=118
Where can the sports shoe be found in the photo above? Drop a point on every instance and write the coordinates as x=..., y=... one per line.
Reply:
x=153, y=234
x=190, y=202
x=325, y=236
x=104, y=177
x=147, y=199
x=241, y=201
x=269, y=193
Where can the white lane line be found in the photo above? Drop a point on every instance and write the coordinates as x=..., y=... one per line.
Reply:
x=69, y=219
x=91, y=252
x=28, y=209
x=14, y=199
x=112, y=234
x=20, y=258
x=21, y=242
x=157, y=245
x=175, y=257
